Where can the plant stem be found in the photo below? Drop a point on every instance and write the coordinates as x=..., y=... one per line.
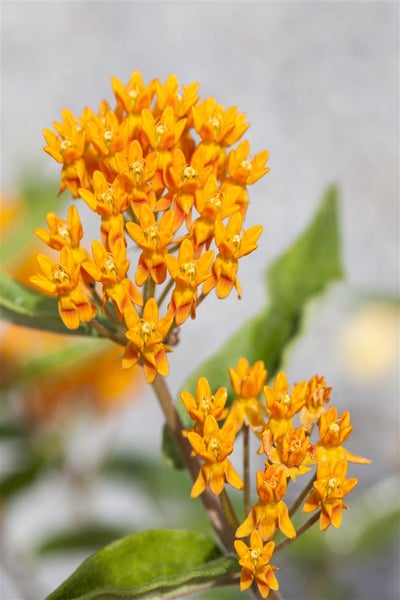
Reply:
x=229, y=511
x=211, y=503
x=246, y=469
x=300, y=498
x=107, y=333
x=299, y=532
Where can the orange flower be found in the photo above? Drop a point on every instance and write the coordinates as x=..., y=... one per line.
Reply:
x=318, y=394
x=233, y=243
x=282, y=405
x=62, y=280
x=270, y=511
x=243, y=172
x=330, y=489
x=168, y=95
x=205, y=403
x=64, y=233
x=188, y=274
x=153, y=237
x=333, y=431
x=146, y=337
x=255, y=563
x=292, y=454
x=247, y=383
x=107, y=135
x=137, y=172
x=213, y=446
x=110, y=269
x=183, y=180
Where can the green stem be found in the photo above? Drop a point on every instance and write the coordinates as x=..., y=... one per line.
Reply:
x=299, y=532
x=107, y=333
x=246, y=469
x=165, y=292
x=229, y=511
x=302, y=496
x=211, y=503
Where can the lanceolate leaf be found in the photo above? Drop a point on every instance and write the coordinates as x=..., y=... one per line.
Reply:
x=21, y=305
x=301, y=273
x=153, y=564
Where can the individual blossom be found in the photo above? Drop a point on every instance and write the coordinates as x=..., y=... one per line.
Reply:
x=292, y=454
x=270, y=511
x=110, y=269
x=204, y=403
x=331, y=487
x=247, y=382
x=255, y=562
x=213, y=205
x=153, y=238
x=62, y=233
x=161, y=134
x=109, y=201
x=183, y=180
x=188, y=273
x=214, y=446
x=241, y=171
x=107, y=134
x=146, y=335
x=283, y=403
x=61, y=280
x=334, y=431
x=318, y=394
x=136, y=173
x=218, y=128
x=131, y=99
x=233, y=243
x=168, y=95
x=67, y=147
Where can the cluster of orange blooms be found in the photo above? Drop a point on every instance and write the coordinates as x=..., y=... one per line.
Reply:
x=288, y=450
x=161, y=173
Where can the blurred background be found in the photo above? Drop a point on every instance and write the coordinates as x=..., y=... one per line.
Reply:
x=319, y=82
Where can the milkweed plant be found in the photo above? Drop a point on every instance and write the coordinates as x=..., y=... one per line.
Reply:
x=167, y=176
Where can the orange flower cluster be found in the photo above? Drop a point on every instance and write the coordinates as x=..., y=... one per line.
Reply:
x=160, y=172
x=289, y=453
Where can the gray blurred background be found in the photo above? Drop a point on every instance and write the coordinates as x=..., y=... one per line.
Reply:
x=319, y=83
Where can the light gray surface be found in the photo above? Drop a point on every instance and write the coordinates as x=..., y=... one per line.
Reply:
x=319, y=84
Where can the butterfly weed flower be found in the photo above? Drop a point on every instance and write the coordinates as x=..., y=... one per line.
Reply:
x=331, y=487
x=317, y=396
x=247, y=383
x=204, y=403
x=270, y=511
x=214, y=446
x=255, y=562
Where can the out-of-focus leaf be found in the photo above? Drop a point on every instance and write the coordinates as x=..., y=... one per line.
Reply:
x=10, y=430
x=89, y=537
x=159, y=480
x=37, y=198
x=21, y=478
x=153, y=564
x=21, y=305
x=299, y=275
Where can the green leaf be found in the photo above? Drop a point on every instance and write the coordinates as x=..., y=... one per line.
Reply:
x=39, y=197
x=301, y=273
x=21, y=305
x=153, y=564
x=90, y=536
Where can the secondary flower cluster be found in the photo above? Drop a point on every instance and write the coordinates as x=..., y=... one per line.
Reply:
x=289, y=453
x=160, y=172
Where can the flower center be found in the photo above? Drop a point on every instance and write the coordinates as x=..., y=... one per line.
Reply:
x=109, y=267
x=64, y=232
x=60, y=275
x=147, y=329
x=137, y=168
x=107, y=137
x=188, y=173
x=188, y=269
x=151, y=235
